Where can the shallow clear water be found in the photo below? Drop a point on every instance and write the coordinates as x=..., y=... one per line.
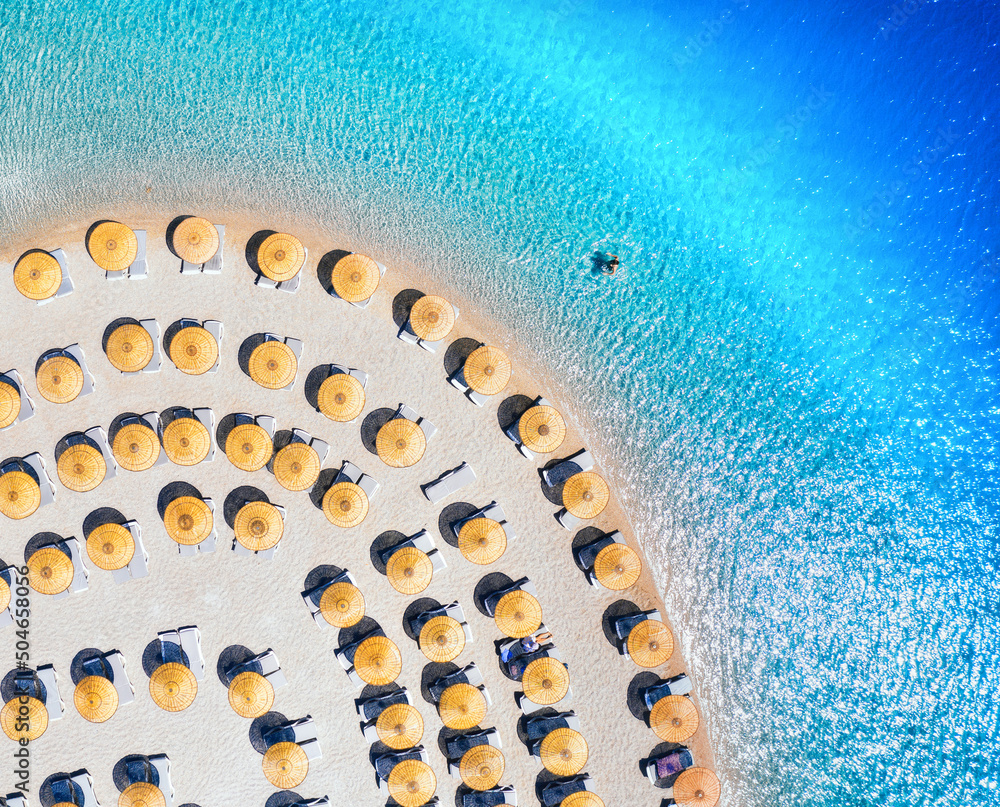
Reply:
x=798, y=362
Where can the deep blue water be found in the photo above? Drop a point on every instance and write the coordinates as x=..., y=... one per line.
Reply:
x=798, y=359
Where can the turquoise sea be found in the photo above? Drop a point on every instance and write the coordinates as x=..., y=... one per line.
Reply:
x=795, y=372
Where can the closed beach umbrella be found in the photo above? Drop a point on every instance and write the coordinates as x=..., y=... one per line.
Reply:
x=697, y=787
x=377, y=660
x=142, y=794
x=586, y=494
x=285, y=765
x=518, y=614
x=564, y=752
x=173, y=687
x=96, y=698
x=113, y=246
x=10, y=402
x=582, y=798
x=400, y=443
x=281, y=256
x=650, y=643
x=412, y=783
x=462, y=706
x=342, y=605
x=129, y=347
x=59, y=379
x=442, y=639
x=617, y=567
x=195, y=240
x=249, y=447
x=186, y=441
x=355, y=277
x=542, y=429
x=24, y=721
x=345, y=505
x=50, y=571
x=296, y=466
x=110, y=546
x=673, y=718
x=37, y=275
x=341, y=397
x=432, y=318
x=409, y=570
x=258, y=526
x=487, y=370
x=251, y=694
x=194, y=350
x=4, y=594
x=400, y=726
x=81, y=467
x=482, y=541
x=481, y=767
x=545, y=681
x=188, y=520
x=136, y=447
x=19, y=494
x=273, y=364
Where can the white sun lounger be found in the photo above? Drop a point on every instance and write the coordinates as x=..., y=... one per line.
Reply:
x=425, y=543
x=50, y=680
x=574, y=464
x=119, y=677
x=162, y=764
x=66, y=287
x=83, y=780
x=208, y=545
x=88, y=380
x=45, y=484
x=99, y=436
x=514, y=434
x=137, y=567
x=449, y=482
x=27, y=409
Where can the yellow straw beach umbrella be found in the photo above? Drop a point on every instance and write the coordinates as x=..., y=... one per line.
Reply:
x=273, y=364
x=193, y=350
x=37, y=275
x=251, y=694
x=582, y=798
x=586, y=494
x=342, y=605
x=542, y=429
x=296, y=466
x=96, y=698
x=377, y=660
x=24, y=721
x=136, y=447
x=564, y=752
x=409, y=570
x=673, y=718
x=400, y=726
x=482, y=541
x=50, y=571
x=258, y=526
x=113, y=246
x=129, y=348
x=142, y=794
x=281, y=256
x=432, y=318
x=617, y=567
x=4, y=594
x=20, y=495
x=518, y=614
x=462, y=706
x=697, y=787
x=59, y=379
x=400, y=443
x=195, y=240
x=173, y=687
x=285, y=765
x=650, y=643
x=249, y=446
x=188, y=520
x=186, y=441
x=345, y=505
x=481, y=767
x=487, y=370
x=442, y=639
x=545, y=681
x=10, y=403
x=412, y=783
x=110, y=546
x=81, y=467
x=355, y=277
x=341, y=397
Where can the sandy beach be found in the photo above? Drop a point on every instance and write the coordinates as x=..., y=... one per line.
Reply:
x=255, y=602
